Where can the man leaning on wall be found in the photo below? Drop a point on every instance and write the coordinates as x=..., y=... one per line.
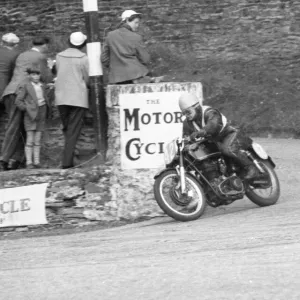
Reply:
x=12, y=152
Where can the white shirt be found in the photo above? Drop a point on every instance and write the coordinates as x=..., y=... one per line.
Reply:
x=35, y=49
x=39, y=93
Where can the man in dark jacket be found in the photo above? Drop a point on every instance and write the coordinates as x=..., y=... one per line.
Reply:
x=8, y=56
x=13, y=144
x=204, y=121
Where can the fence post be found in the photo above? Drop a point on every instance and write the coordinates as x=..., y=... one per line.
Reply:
x=90, y=8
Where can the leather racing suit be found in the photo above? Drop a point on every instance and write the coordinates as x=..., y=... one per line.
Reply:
x=211, y=124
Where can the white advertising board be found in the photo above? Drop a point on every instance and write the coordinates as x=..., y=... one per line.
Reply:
x=23, y=206
x=148, y=122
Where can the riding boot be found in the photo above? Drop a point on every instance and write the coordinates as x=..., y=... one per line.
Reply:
x=248, y=166
x=251, y=172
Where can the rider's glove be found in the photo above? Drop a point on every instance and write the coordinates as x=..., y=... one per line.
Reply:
x=197, y=134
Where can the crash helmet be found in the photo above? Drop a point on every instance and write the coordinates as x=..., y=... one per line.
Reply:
x=127, y=14
x=187, y=100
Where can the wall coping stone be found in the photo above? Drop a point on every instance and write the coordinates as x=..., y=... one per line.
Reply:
x=113, y=91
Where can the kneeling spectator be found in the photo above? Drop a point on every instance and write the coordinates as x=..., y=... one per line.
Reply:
x=32, y=99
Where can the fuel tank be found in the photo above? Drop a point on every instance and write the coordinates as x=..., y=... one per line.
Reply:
x=204, y=150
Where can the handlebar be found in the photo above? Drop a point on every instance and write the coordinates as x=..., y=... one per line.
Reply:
x=186, y=143
x=188, y=140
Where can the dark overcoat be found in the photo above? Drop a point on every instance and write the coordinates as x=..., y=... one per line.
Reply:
x=7, y=64
x=24, y=61
x=125, y=55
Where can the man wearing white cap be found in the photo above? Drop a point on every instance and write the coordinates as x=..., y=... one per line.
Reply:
x=8, y=56
x=12, y=153
x=124, y=52
x=71, y=92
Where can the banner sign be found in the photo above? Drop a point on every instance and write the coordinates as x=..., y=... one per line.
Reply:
x=148, y=122
x=23, y=206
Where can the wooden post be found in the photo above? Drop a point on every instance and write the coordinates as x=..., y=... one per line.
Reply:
x=90, y=8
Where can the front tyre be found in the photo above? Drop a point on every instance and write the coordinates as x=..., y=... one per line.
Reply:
x=268, y=195
x=179, y=207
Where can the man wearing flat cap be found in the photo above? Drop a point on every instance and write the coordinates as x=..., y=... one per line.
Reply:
x=8, y=56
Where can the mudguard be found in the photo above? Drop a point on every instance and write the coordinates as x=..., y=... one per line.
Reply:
x=163, y=171
x=168, y=169
x=270, y=160
x=260, y=152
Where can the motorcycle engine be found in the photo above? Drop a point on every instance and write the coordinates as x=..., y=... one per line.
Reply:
x=229, y=187
x=210, y=169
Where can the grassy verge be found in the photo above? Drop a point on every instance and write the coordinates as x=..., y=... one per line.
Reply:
x=259, y=95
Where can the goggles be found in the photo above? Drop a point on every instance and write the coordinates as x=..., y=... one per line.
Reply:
x=189, y=110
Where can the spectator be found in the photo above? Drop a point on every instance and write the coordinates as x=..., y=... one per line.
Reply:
x=32, y=99
x=71, y=92
x=13, y=144
x=124, y=53
x=8, y=56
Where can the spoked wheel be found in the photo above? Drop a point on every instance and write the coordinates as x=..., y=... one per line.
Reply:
x=269, y=191
x=168, y=195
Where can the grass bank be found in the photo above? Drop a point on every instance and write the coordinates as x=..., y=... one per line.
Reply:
x=262, y=96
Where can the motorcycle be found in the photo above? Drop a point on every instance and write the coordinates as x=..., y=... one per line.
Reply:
x=197, y=174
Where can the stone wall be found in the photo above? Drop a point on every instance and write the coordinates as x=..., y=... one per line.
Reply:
x=53, y=140
x=106, y=192
x=78, y=197
x=227, y=29
x=132, y=189
x=248, y=30
x=84, y=195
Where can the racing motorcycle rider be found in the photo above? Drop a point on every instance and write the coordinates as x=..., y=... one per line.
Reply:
x=204, y=121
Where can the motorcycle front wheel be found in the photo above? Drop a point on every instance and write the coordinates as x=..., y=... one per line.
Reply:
x=180, y=207
x=268, y=195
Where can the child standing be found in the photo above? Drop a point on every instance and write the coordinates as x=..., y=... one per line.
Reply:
x=32, y=99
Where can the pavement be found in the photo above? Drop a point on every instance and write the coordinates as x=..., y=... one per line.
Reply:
x=239, y=251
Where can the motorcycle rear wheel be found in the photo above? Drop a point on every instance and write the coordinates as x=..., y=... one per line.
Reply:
x=175, y=206
x=255, y=195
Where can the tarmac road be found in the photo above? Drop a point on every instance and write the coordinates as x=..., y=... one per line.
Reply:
x=236, y=252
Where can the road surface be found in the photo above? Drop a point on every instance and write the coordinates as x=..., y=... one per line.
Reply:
x=235, y=252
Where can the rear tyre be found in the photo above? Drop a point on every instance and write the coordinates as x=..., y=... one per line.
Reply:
x=266, y=196
x=173, y=203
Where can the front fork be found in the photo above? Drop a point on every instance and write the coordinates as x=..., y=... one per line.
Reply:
x=181, y=172
x=254, y=160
